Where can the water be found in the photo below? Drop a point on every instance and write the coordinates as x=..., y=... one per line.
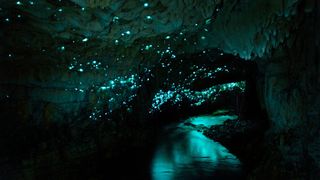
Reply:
x=184, y=153
x=210, y=120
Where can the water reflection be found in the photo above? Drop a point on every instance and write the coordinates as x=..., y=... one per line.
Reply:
x=184, y=153
x=210, y=120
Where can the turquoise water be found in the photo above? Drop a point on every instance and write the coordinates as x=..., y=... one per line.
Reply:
x=184, y=153
x=210, y=120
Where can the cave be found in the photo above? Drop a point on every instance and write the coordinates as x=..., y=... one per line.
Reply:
x=158, y=89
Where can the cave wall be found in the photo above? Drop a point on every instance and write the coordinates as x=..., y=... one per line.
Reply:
x=289, y=86
x=285, y=44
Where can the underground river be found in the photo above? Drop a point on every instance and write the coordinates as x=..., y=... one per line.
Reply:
x=184, y=153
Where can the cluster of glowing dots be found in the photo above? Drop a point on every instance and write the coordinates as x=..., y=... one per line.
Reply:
x=115, y=93
x=90, y=65
x=127, y=81
x=197, y=98
x=203, y=72
x=162, y=52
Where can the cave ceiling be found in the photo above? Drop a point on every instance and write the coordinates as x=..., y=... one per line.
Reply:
x=61, y=51
x=140, y=29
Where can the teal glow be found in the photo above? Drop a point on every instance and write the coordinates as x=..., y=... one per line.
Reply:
x=184, y=153
x=196, y=98
x=181, y=89
x=210, y=120
x=114, y=93
x=103, y=88
x=148, y=47
x=115, y=19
